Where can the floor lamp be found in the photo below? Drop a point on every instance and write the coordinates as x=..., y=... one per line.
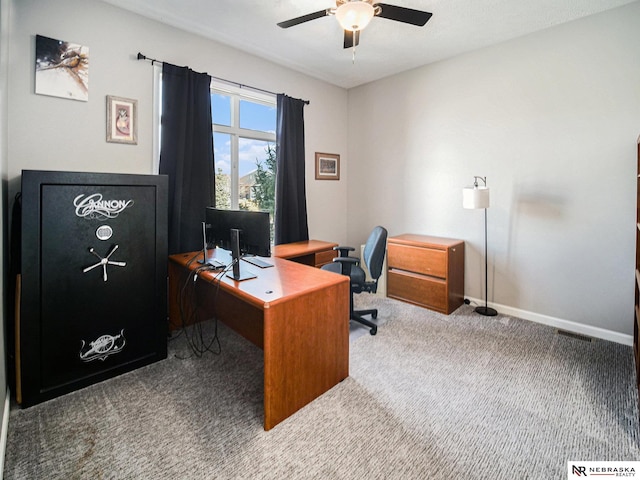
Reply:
x=478, y=197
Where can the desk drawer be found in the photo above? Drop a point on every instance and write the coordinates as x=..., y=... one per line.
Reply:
x=424, y=291
x=324, y=257
x=428, y=261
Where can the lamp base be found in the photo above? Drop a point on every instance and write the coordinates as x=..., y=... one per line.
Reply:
x=486, y=311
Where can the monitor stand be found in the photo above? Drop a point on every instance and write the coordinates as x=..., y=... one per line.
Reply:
x=238, y=274
x=204, y=244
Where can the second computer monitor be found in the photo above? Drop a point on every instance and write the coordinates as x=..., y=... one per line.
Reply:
x=255, y=233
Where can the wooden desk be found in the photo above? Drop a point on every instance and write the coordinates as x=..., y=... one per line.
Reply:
x=297, y=315
x=310, y=252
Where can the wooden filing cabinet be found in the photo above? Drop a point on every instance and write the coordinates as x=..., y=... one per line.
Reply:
x=426, y=271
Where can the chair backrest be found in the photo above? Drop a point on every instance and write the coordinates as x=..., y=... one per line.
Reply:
x=374, y=251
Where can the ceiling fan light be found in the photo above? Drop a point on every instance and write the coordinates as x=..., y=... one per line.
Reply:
x=354, y=15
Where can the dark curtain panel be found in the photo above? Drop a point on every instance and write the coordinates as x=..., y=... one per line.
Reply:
x=186, y=154
x=291, y=202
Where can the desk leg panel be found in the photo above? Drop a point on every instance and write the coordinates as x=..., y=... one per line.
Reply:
x=306, y=349
x=238, y=315
x=202, y=300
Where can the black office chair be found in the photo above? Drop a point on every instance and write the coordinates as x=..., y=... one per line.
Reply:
x=373, y=257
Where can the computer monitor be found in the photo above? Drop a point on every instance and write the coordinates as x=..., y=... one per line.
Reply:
x=254, y=227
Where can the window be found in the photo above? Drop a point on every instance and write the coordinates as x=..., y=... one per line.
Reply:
x=244, y=137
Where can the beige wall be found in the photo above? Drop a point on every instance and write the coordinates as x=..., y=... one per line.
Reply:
x=58, y=134
x=551, y=119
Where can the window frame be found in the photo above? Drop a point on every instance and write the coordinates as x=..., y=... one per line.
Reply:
x=235, y=132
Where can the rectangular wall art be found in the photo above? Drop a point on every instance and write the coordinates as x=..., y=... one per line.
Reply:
x=327, y=166
x=62, y=69
x=122, y=122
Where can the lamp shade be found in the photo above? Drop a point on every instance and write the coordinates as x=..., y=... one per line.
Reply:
x=354, y=15
x=475, y=197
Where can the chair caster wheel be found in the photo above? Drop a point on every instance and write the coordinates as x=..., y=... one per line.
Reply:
x=373, y=331
x=374, y=315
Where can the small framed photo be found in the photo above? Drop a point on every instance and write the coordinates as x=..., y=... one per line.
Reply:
x=327, y=166
x=122, y=120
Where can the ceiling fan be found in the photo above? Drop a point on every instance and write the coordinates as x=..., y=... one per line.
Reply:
x=355, y=15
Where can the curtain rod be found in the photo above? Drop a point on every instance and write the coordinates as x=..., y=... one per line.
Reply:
x=241, y=85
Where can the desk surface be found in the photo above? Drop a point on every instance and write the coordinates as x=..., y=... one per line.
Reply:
x=305, y=247
x=298, y=315
x=284, y=280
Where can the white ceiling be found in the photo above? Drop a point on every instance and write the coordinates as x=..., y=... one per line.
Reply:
x=386, y=47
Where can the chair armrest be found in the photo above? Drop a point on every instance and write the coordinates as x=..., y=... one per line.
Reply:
x=347, y=263
x=344, y=251
x=343, y=260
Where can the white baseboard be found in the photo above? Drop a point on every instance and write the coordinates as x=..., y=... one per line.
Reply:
x=560, y=323
x=4, y=433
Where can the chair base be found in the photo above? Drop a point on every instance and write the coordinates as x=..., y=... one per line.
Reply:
x=357, y=317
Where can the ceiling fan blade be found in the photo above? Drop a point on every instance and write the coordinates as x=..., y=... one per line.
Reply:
x=404, y=15
x=351, y=39
x=304, y=18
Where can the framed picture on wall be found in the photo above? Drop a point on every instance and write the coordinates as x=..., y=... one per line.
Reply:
x=62, y=69
x=327, y=166
x=122, y=121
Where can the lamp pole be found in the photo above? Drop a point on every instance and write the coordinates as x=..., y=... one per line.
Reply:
x=489, y=312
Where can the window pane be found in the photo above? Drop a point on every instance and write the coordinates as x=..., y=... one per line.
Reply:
x=244, y=167
x=257, y=165
x=222, y=167
x=221, y=109
x=255, y=116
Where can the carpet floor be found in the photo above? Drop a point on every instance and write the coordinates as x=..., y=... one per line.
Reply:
x=429, y=397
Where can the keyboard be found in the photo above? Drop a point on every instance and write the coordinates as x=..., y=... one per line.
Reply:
x=257, y=262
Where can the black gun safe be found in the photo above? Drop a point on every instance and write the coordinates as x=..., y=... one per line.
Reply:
x=93, y=282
